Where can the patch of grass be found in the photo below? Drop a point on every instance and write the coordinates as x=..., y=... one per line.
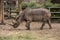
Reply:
x=20, y=36
x=28, y=36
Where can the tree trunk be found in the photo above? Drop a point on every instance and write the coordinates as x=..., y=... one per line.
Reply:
x=19, y=5
x=1, y=12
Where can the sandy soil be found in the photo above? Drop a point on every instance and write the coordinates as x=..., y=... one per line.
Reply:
x=46, y=32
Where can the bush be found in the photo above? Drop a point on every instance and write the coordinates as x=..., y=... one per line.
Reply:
x=36, y=5
x=49, y=4
x=24, y=5
x=31, y=5
x=56, y=5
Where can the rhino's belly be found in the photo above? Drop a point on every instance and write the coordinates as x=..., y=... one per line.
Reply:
x=37, y=18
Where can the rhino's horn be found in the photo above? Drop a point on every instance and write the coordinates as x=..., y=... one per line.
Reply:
x=10, y=24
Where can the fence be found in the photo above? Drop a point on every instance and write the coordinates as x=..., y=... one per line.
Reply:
x=55, y=12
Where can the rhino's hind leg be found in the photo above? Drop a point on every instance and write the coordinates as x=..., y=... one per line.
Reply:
x=49, y=23
x=28, y=25
x=43, y=24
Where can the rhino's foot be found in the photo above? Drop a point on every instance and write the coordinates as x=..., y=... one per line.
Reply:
x=28, y=29
x=15, y=26
x=50, y=28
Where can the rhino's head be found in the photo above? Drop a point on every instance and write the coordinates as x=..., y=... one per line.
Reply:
x=16, y=22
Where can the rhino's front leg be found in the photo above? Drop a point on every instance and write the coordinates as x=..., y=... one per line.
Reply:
x=28, y=25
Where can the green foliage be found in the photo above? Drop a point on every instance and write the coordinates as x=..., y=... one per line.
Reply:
x=48, y=5
x=31, y=5
x=20, y=36
x=36, y=5
x=51, y=5
x=56, y=5
x=24, y=5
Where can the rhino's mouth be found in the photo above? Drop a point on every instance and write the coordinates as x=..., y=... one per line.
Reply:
x=15, y=25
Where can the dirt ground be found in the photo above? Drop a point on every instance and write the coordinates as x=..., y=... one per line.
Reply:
x=47, y=33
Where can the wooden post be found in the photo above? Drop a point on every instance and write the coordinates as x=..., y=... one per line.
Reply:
x=19, y=5
x=1, y=12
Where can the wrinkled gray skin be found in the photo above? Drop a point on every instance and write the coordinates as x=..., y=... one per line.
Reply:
x=29, y=15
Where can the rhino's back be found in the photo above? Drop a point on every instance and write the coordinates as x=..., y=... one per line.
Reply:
x=37, y=14
x=41, y=11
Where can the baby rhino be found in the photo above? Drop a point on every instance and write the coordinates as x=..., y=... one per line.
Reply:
x=29, y=15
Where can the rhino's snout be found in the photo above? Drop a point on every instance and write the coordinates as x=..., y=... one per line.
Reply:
x=15, y=25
